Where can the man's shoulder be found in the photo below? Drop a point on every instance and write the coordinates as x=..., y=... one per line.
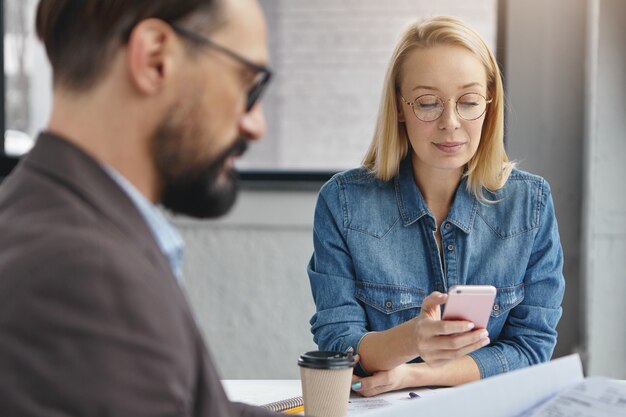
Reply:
x=39, y=216
x=51, y=234
x=62, y=249
x=41, y=201
x=37, y=201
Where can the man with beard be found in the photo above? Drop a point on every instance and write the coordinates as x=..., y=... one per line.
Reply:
x=152, y=102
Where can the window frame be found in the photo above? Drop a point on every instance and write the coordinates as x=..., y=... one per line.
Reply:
x=250, y=179
x=7, y=163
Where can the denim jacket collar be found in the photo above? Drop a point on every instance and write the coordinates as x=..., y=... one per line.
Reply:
x=412, y=205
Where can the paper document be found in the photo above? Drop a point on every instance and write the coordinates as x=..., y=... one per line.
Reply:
x=359, y=405
x=505, y=395
x=594, y=397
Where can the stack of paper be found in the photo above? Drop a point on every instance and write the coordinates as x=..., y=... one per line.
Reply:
x=506, y=395
x=594, y=397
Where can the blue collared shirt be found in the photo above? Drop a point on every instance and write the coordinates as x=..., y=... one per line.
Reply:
x=376, y=259
x=168, y=239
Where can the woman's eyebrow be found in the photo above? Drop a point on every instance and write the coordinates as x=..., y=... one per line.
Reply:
x=428, y=87
x=424, y=87
x=474, y=84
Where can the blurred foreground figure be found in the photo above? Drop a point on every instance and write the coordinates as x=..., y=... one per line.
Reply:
x=152, y=102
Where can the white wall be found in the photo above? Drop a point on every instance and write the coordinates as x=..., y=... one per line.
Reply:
x=544, y=83
x=246, y=278
x=604, y=245
x=329, y=58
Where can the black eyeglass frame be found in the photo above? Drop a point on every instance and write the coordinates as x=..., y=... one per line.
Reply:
x=443, y=103
x=263, y=73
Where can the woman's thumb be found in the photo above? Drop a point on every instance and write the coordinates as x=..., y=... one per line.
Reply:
x=432, y=302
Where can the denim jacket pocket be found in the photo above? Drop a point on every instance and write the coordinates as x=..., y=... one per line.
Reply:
x=506, y=299
x=377, y=228
x=388, y=299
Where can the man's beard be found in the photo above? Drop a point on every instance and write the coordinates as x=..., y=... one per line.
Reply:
x=202, y=189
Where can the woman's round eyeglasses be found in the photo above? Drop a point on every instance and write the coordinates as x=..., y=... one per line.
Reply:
x=429, y=107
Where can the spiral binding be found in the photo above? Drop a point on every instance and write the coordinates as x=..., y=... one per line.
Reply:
x=283, y=405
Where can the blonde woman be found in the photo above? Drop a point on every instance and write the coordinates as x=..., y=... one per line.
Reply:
x=437, y=203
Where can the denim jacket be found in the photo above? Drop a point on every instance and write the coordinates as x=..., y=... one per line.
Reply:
x=376, y=258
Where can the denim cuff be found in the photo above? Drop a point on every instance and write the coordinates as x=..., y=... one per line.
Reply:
x=354, y=341
x=490, y=361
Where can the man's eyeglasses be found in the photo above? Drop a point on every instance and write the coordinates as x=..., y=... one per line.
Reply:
x=429, y=107
x=262, y=73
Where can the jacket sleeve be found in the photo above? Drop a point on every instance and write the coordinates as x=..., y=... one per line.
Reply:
x=340, y=321
x=529, y=334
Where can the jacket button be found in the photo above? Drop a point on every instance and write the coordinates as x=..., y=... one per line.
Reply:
x=450, y=247
x=447, y=226
x=388, y=304
x=496, y=307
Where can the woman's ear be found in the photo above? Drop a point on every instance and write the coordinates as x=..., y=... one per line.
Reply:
x=400, y=111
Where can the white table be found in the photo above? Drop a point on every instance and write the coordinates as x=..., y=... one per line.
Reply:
x=259, y=392
x=501, y=393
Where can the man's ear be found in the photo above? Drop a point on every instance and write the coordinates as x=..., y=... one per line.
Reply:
x=150, y=59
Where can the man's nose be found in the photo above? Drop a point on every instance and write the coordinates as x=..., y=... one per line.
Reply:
x=252, y=124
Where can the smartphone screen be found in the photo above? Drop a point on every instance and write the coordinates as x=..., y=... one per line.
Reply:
x=470, y=302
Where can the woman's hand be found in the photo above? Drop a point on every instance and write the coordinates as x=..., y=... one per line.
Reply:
x=440, y=341
x=459, y=371
x=383, y=381
x=436, y=341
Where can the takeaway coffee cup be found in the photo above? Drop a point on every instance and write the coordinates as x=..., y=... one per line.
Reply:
x=326, y=379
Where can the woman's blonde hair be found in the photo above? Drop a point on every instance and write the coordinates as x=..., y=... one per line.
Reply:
x=490, y=167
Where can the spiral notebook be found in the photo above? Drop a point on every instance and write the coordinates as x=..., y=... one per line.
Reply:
x=288, y=406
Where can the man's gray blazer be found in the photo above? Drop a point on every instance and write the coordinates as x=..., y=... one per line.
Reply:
x=92, y=320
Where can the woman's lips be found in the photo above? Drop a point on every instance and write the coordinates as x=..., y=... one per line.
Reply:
x=449, y=147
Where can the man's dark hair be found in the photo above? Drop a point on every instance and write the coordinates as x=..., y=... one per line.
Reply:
x=82, y=36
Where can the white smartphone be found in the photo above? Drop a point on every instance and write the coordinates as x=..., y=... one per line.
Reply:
x=470, y=302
